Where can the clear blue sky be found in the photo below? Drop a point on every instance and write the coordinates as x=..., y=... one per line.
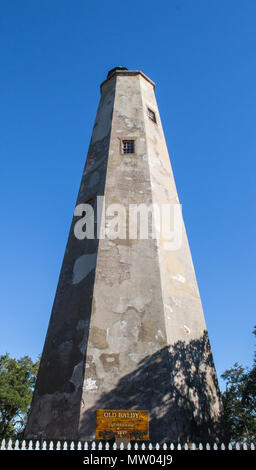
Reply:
x=201, y=54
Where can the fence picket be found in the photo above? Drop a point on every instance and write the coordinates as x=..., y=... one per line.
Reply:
x=12, y=444
x=30, y=445
x=17, y=446
x=9, y=447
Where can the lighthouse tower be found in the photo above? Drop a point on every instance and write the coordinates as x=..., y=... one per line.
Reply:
x=127, y=332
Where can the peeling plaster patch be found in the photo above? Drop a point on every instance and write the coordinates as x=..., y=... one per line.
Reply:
x=159, y=335
x=168, y=309
x=123, y=325
x=138, y=304
x=94, y=179
x=90, y=384
x=109, y=361
x=124, y=253
x=81, y=325
x=119, y=337
x=98, y=337
x=77, y=374
x=105, y=248
x=83, y=265
x=128, y=123
x=90, y=162
x=187, y=330
x=179, y=278
x=134, y=357
x=93, y=164
x=107, y=245
x=148, y=333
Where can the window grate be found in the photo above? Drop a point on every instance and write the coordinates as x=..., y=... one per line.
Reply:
x=128, y=146
x=151, y=115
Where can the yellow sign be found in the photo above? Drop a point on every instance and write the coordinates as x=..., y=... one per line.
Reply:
x=131, y=424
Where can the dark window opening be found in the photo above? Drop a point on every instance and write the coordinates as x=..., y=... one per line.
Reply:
x=128, y=146
x=151, y=115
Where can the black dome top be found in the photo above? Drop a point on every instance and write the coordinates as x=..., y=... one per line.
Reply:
x=116, y=68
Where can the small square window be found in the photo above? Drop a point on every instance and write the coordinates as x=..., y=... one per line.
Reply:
x=128, y=146
x=151, y=115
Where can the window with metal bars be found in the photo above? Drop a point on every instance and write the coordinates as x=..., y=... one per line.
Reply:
x=128, y=146
x=151, y=115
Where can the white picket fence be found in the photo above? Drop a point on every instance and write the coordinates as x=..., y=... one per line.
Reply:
x=64, y=445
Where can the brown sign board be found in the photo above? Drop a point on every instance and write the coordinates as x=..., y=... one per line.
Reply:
x=127, y=424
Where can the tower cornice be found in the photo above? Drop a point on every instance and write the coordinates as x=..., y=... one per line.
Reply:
x=125, y=72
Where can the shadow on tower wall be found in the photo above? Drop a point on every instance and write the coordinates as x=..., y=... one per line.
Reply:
x=179, y=388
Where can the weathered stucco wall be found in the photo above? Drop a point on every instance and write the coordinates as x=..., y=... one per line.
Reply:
x=127, y=323
x=127, y=329
x=56, y=402
x=193, y=376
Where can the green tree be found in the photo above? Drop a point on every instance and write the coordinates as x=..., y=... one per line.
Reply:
x=17, y=380
x=239, y=400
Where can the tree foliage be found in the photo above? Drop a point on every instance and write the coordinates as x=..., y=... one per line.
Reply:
x=239, y=400
x=17, y=380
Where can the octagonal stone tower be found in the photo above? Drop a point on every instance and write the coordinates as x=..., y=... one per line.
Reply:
x=127, y=330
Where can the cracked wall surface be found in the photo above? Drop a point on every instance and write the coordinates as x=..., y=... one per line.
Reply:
x=127, y=292
x=56, y=402
x=127, y=329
